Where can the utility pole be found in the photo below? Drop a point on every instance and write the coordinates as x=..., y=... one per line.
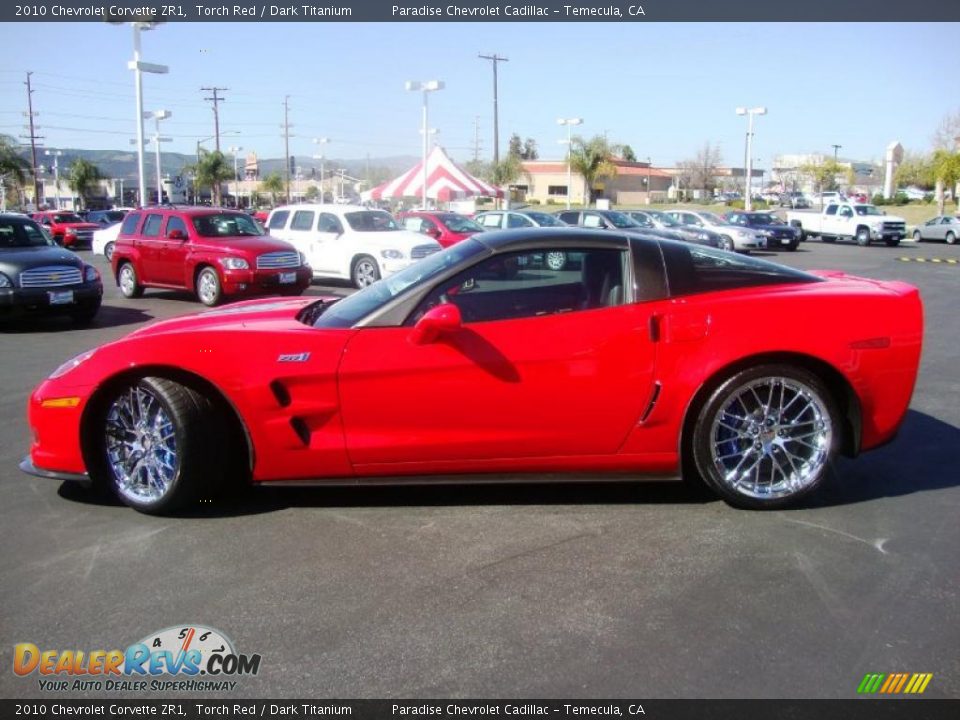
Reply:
x=496, y=121
x=216, y=100
x=835, y=149
x=33, y=137
x=476, y=138
x=286, y=142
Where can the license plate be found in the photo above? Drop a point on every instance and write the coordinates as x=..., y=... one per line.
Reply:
x=61, y=297
x=784, y=241
x=288, y=278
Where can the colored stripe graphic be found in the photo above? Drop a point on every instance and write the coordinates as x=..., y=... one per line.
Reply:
x=948, y=261
x=894, y=683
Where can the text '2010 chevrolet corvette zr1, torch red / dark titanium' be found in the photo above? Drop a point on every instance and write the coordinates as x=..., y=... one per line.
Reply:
x=640, y=357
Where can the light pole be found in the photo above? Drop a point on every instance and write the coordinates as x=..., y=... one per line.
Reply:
x=234, y=150
x=55, y=154
x=157, y=116
x=321, y=141
x=424, y=87
x=569, y=122
x=749, y=112
x=139, y=67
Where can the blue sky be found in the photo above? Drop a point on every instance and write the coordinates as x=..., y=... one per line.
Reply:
x=664, y=89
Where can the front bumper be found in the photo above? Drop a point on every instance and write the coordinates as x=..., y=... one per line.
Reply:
x=256, y=282
x=27, y=466
x=43, y=299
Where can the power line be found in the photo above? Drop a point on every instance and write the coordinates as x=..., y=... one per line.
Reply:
x=216, y=100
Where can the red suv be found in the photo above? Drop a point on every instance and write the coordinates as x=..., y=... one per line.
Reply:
x=446, y=228
x=211, y=251
x=67, y=228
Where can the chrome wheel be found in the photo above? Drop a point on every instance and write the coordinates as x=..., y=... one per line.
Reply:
x=770, y=438
x=556, y=260
x=141, y=446
x=127, y=279
x=726, y=243
x=108, y=252
x=208, y=287
x=365, y=272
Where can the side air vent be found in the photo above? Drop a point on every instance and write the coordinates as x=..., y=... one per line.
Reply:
x=300, y=428
x=653, y=401
x=280, y=392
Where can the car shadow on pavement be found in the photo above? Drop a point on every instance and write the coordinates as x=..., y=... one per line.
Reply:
x=109, y=316
x=924, y=456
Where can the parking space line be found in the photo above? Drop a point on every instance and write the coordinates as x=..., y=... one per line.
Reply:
x=938, y=261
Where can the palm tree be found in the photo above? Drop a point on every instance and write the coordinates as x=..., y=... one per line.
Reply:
x=82, y=175
x=211, y=171
x=273, y=184
x=592, y=159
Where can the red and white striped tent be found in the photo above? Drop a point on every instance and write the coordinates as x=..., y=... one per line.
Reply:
x=446, y=181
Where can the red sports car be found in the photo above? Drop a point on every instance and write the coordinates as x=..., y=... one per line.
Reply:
x=446, y=228
x=640, y=356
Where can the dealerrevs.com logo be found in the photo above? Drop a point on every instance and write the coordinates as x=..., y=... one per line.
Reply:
x=182, y=657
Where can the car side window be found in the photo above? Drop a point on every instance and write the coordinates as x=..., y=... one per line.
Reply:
x=523, y=284
x=491, y=220
x=176, y=223
x=151, y=226
x=329, y=223
x=413, y=224
x=689, y=219
x=517, y=221
x=278, y=220
x=302, y=220
x=130, y=223
x=592, y=221
x=947, y=221
x=831, y=210
x=571, y=218
x=846, y=212
x=643, y=220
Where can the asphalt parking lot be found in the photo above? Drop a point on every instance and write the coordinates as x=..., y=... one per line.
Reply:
x=589, y=590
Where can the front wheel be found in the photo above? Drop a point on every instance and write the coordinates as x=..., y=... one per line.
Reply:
x=766, y=436
x=726, y=243
x=158, y=445
x=84, y=313
x=862, y=237
x=365, y=271
x=208, y=287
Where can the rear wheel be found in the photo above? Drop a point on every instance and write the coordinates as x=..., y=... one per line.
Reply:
x=208, y=287
x=765, y=437
x=950, y=238
x=159, y=445
x=365, y=271
x=130, y=286
x=108, y=251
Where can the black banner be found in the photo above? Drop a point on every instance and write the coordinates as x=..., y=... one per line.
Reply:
x=489, y=11
x=888, y=709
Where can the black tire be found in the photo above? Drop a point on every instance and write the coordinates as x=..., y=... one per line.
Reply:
x=792, y=247
x=84, y=313
x=827, y=239
x=128, y=281
x=757, y=432
x=364, y=271
x=108, y=251
x=892, y=242
x=950, y=238
x=208, y=288
x=196, y=431
x=863, y=236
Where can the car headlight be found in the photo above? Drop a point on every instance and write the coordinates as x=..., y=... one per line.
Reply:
x=232, y=263
x=72, y=363
x=303, y=259
x=392, y=254
x=70, y=231
x=5, y=281
x=90, y=273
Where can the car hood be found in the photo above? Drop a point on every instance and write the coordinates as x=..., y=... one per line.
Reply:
x=30, y=257
x=246, y=244
x=393, y=238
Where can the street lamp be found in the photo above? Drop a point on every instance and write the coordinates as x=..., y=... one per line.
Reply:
x=321, y=141
x=749, y=112
x=55, y=154
x=569, y=122
x=424, y=87
x=139, y=67
x=234, y=150
x=157, y=116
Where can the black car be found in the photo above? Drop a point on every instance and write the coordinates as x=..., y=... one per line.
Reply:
x=663, y=225
x=36, y=275
x=779, y=235
x=105, y=218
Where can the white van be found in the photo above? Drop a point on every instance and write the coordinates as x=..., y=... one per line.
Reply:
x=349, y=241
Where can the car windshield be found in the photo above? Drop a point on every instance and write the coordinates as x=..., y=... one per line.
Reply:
x=545, y=220
x=21, y=234
x=114, y=215
x=459, y=223
x=663, y=218
x=867, y=210
x=371, y=221
x=351, y=310
x=621, y=220
x=713, y=219
x=67, y=218
x=225, y=225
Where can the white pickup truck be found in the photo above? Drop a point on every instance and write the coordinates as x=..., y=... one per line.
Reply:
x=863, y=223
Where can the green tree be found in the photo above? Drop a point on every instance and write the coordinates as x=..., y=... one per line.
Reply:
x=274, y=185
x=82, y=177
x=627, y=153
x=825, y=174
x=211, y=171
x=312, y=193
x=916, y=169
x=946, y=173
x=593, y=160
x=12, y=164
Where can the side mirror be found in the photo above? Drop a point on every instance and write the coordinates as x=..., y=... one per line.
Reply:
x=444, y=318
x=434, y=233
x=177, y=234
